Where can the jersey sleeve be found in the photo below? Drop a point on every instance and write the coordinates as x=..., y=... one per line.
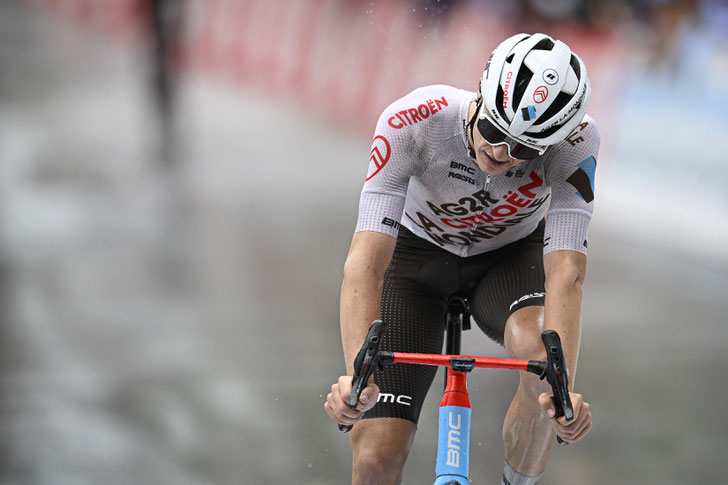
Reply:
x=392, y=161
x=570, y=171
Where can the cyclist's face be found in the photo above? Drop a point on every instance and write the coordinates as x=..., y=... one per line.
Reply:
x=492, y=159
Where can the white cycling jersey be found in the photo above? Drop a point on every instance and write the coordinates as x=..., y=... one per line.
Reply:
x=421, y=175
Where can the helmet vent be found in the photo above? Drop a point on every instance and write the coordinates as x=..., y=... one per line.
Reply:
x=545, y=45
x=499, y=103
x=509, y=59
x=559, y=103
x=524, y=77
x=575, y=65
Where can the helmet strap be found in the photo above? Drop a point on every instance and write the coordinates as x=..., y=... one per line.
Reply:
x=471, y=122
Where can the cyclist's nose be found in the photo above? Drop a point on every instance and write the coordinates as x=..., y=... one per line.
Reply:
x=500, y=153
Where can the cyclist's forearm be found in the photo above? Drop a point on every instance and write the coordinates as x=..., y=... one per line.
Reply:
x=361, y=291
x=361, y=295
x=563, y=314
x=562, y=309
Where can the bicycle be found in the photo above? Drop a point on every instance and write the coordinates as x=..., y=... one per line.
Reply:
x=453, y=449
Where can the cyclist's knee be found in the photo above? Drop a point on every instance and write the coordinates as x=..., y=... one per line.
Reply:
x=380, y=450
x=522, y=338
x=373, y=466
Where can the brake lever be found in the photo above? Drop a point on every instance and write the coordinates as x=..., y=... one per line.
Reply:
x=557, y=375
x=366, y=363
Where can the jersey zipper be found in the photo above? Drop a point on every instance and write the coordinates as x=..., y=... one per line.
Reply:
x=485, y=188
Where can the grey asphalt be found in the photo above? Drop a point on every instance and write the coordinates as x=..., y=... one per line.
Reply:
x=179, y=324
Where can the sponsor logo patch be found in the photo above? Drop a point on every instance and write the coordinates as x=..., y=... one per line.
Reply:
x=390, y=222
x=379, y=156
x=550, y=77
x=481, y=216
x=518, y=173
x=540, y=94
x=526, y=297
x=583, y=179
x=528, y=113
x=387, y=397
x=574, y=138
x=411, y=116
x=506, y=91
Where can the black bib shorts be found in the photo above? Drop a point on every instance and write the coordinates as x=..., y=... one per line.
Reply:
x=420, y=280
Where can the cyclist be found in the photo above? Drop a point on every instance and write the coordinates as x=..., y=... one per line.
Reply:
x=455, y=203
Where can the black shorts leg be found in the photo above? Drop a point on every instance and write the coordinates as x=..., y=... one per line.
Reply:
x=516, y=281
x=415, y=323
x=417, y=286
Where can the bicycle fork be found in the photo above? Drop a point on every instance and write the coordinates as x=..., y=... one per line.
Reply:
x=453, y=449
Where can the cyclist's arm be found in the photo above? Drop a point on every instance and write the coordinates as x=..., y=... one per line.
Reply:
x=391, y=164
x=361, y=295
x=565, y=271
x=361, y=290
x=570, y=171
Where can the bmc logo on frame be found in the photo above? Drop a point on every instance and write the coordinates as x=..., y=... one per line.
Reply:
x=401, y=399
x=453, y=440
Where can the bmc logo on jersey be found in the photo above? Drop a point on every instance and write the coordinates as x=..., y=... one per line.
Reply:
x=379, y=156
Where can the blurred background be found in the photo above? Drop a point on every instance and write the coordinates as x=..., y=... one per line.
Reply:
x=179, y=183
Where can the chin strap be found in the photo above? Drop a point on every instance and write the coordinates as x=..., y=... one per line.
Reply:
x=471, y=123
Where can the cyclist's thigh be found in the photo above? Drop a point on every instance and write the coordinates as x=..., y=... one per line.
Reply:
x=515, y=282
x=414, y=313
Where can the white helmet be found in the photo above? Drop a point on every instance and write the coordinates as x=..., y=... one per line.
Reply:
x=535, y=88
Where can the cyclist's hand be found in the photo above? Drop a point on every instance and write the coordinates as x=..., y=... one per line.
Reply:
x=337, y=402
x=569, y=431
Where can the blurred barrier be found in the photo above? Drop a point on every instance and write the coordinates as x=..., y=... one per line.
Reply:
x=119, y=18
x=342, y=59
x=347, y=60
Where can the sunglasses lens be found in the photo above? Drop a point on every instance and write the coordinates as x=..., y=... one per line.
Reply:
x=522, y=152
x=493, y=135
x=489, y=132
